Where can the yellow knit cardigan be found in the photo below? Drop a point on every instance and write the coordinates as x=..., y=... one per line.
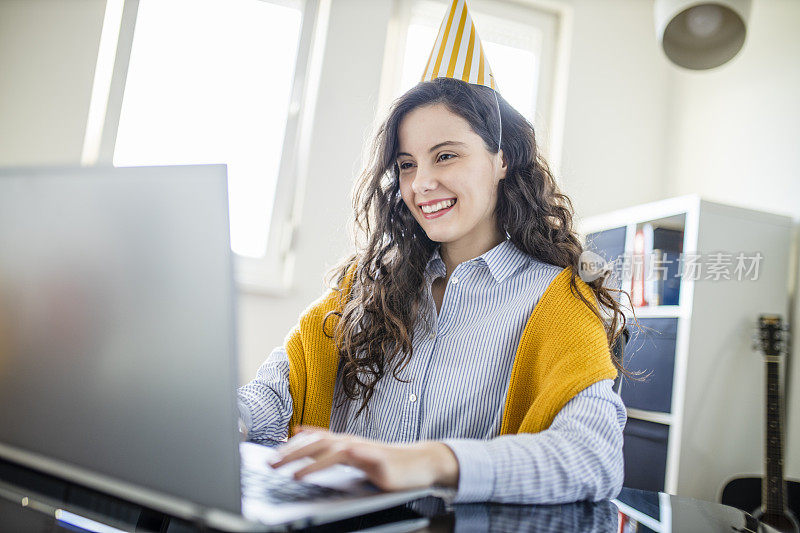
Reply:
x=563, y=350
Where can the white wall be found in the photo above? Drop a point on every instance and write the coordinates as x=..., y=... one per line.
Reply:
x=734, y=134
x=618, y=98
x=48, y=51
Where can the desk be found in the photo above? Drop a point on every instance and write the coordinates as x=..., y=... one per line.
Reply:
x=637, y=511
x=633, y=511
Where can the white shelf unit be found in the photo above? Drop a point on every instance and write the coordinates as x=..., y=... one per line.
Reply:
x=715, y=421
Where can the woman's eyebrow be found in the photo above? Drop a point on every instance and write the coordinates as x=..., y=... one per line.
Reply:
x=435, y=147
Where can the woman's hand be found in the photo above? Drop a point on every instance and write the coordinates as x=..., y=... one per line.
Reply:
x=388, y=466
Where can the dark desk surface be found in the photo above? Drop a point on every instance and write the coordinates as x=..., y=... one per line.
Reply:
x=632, y=511
x=637, y=511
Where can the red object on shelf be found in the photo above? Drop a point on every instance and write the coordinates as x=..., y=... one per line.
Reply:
x=637, y=270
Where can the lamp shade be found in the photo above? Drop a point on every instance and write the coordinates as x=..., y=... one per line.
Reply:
x=700, y=35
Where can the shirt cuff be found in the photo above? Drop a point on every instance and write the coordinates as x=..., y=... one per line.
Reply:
x=475, y=470
x=272, y=443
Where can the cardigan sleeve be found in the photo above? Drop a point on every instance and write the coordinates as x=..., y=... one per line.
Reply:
x=314, y=357
x=579, y=457
x=563, y=351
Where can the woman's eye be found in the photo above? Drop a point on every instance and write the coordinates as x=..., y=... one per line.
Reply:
x=408, y=164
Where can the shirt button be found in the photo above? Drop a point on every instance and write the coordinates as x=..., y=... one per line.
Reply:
x=454, y=279
x=432, y=336
x=412, y=397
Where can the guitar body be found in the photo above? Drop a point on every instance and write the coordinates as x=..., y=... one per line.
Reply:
x=745, y=493
x=784, y=522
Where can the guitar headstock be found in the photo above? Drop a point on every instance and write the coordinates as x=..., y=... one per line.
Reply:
x=772, y=335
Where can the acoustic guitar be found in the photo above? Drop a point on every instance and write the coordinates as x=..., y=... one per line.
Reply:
x=772, y=500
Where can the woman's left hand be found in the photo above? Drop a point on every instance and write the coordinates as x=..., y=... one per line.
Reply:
x=389, y=466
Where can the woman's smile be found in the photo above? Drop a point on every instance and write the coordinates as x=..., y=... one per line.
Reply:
x=437, y=209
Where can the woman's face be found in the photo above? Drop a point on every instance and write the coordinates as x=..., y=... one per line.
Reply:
x=448, y=179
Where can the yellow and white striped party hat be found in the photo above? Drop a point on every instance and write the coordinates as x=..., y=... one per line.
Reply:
x=458, y=51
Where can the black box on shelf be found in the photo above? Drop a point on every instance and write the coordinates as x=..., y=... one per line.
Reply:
x=651, y=350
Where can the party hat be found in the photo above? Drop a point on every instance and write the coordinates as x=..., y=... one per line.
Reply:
x=458, y=54
x=458, y=51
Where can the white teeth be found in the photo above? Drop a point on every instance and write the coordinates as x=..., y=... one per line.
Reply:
x=436, y=207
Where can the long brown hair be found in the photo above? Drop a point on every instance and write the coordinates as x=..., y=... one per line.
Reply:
x=376, y=325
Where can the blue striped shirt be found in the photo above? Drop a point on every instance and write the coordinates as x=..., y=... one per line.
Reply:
x=454, y=388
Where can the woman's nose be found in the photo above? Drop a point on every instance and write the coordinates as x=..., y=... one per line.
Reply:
x=424, y=181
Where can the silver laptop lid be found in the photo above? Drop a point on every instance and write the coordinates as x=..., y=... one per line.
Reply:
x=117, y=350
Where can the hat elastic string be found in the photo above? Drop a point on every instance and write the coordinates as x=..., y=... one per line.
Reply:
x=499, y=118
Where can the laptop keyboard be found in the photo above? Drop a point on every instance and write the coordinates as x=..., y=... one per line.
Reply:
x=267, y=484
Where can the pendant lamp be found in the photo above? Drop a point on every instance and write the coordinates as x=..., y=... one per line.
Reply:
x=701, y=35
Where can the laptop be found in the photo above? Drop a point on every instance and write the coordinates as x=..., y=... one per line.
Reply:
x=118, y=366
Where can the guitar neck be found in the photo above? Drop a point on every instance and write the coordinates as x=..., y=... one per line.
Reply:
x=773, y=496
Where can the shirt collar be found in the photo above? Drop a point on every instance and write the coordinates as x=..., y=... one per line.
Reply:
x=502, y=261
x=435, y=266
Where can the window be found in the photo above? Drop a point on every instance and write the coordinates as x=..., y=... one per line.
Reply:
x=521, y=42
x=216, y=81
x=209, y=82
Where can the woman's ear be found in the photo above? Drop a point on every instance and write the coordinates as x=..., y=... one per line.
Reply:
x=503, y=164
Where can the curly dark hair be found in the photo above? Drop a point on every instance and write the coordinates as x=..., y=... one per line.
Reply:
x=376, y=324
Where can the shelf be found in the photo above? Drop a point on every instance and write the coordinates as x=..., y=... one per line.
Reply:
x=695, y=340
x=650, y=416
x=657, y=311
x=663, y=209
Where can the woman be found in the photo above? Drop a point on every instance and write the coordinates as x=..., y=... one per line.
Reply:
x=458, y=348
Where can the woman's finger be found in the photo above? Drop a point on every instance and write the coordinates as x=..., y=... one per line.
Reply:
x=298, y=441
x=312, y=449
x=340, y=456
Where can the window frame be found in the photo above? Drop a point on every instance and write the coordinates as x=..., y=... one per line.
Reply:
x=271, y=274
x=553, y=73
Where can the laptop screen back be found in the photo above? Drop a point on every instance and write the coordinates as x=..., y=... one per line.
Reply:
x=117, y=351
